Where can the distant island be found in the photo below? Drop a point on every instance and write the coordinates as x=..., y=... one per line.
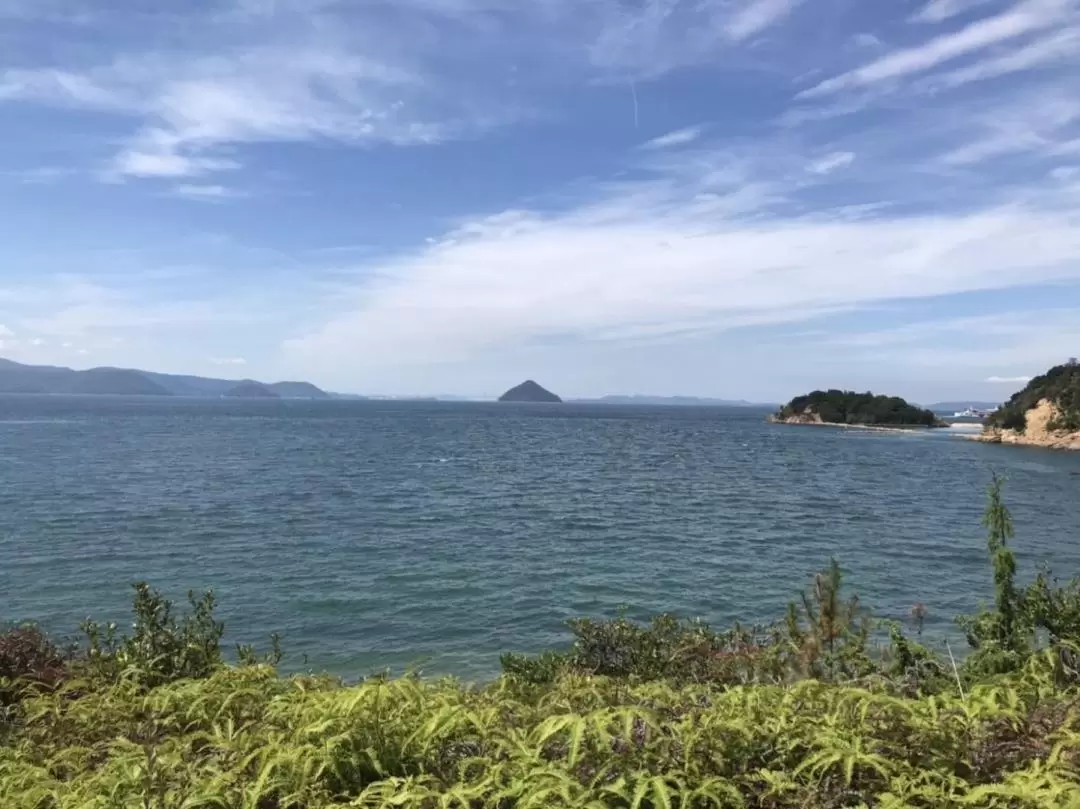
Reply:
x=850, y=409
x=529, y=391
x=16, y=377
x=250, y=389
x=1046, y=413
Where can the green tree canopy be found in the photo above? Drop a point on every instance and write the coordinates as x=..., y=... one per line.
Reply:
x=1060, y=386
x=848, y=407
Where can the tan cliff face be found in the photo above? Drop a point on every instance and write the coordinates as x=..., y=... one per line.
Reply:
x=808, y=417
x=1037, y=433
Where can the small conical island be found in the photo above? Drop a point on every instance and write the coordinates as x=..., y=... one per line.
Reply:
x=529, y=391
x=848, y=409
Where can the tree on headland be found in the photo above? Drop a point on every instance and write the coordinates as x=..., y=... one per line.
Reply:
x=1060, y=386
x=848, y=407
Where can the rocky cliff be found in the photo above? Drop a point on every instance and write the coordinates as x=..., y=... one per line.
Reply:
x=1040, y=430
x=1046, y=413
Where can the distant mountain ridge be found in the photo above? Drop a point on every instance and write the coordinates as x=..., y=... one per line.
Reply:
x=16, y=377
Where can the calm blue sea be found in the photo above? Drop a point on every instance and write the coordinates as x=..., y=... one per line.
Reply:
x=377, y=534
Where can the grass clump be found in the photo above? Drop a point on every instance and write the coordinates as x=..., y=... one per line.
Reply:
x=824, y=709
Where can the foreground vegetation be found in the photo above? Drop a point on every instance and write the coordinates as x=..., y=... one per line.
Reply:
x=1060, y=386
x=846, y=407
x=826, y=708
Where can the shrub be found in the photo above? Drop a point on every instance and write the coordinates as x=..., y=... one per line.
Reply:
x=161, y=648
x=1013, y=419
x=823, y=636
x=1004, y=637
x=28, y=658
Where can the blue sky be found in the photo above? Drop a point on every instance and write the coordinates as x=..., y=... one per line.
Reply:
x=741, y=198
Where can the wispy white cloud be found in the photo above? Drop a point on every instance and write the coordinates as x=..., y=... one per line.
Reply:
x=228, y=361
x=831, y=162
x=652, y=266
x=161, y=321
x=1003, y=142
x=1039, y=123
x=301, y=80
x=1054, y=49
x=680, y=137
x=267, y=96
x=757, y=15
x=941, y=10
x=147, y=158
x=303, y=70
x=204, y=193
x=1024, y=18
x=866, y=40
x=44, y=175
x=71, y=307
x=64, y=87
x=5, y=331
x=973, y=345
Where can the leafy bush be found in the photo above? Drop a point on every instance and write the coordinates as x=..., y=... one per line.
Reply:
x=160, y=648
x=246, y=738
x=1004, y=637
x=846, y=407
x=823, y=636
x=28, y=659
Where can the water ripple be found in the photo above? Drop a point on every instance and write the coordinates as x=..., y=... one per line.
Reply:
x=401, y=534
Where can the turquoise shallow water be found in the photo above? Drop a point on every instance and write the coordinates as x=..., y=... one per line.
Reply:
x=375, y=534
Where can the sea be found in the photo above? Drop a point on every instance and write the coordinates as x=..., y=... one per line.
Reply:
x=431, y=537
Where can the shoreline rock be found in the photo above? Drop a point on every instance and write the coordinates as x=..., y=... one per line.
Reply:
x=814, y=420
x=1036, y=433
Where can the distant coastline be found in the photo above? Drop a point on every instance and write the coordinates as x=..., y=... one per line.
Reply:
x=17, y=378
